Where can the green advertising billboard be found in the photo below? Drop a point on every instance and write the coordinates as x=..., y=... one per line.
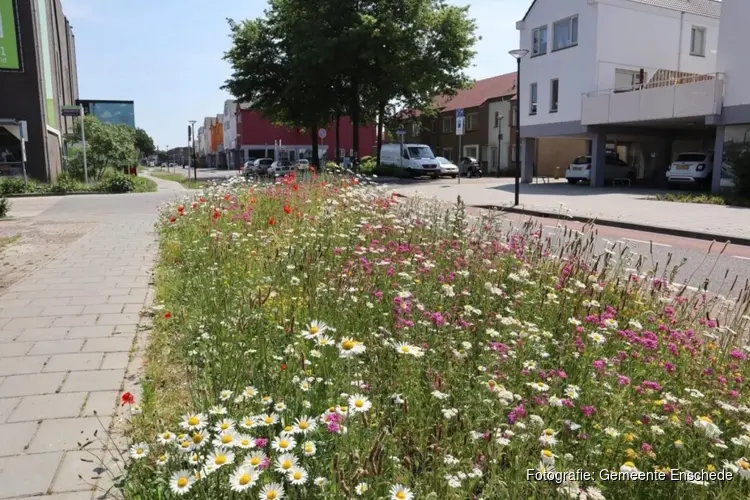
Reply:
x=10, y=53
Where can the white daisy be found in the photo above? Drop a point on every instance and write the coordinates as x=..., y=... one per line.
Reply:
x=324, y=340
x=361, y=488
x=165, y=437
x=410, y=350
x=220, y=458
x=255, y=459
x=225, y=395
x=298, y=475
x=304, y=425
x=243, y=478
x=248, y=423
x=138, y=451
x=249, y=392
x=400, y=492
x=283, y=444
x=245, y=442
x=181, y=482
x=194, y=422
x=224, y=425
x=359, y=403
x=348, y=347
x=198, y=439
x=162, y=460
x=226, y=439
x=313, y=329
x=271, y=419
x=309, y=448
x=272, y=491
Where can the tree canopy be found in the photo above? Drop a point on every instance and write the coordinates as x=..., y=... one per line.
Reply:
x=304, y=63
x=144, y=143
x=106, y=146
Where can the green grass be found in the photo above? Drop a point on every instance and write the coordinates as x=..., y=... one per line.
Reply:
x=144, y=185
x=705, y=199
x=6, y=241
x=188, y=183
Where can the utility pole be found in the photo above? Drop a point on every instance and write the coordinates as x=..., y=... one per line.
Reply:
x=191, y=158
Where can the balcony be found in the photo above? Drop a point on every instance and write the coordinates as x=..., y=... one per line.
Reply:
x=668, y=95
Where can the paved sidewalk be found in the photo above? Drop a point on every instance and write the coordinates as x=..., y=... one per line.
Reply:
x=66, y=333
x=625, y=205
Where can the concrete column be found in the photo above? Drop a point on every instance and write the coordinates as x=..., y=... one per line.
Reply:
x=718, y=160
x=598, y=158
x=528, y=157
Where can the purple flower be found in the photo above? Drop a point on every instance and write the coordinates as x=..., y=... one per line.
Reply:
x=599, y=365
x=261, y=442
x=334, y=428
x=589, y=411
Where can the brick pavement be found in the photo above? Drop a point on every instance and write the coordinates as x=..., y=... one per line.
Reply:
x=66, y=334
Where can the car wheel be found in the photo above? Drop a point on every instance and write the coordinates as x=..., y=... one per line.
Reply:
x=572, y=181
x=453, y=176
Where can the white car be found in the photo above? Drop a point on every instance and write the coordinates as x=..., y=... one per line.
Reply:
x=302, y=164
x=446, y=167
x=694, y=169
x=281, y=167
x=614, y=168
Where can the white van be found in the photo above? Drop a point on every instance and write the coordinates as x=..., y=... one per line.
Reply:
x=417, y=159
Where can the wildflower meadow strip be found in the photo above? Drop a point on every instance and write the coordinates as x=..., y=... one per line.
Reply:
x=337, y=342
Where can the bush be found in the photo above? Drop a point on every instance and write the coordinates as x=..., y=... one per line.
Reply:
x=369, y=165
x=66, y=183
x=4, y=206
x=144, y=185
x=12, y=185
x=118, y=183
x=402, y=343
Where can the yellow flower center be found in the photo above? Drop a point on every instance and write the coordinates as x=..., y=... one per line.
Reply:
x=288, y=428
x=707, y=420
x=139, y=451
x=309, y=448
x=547, y=453
x=268, y=420
x=492, y=383
x=297, y=475
x=255, y=461
x=401, y=495
x=245, y=479
x=314, y=330
x=629, y=464
x=304, y=425
x=221, y=460
x=249, y=422
x=405, y=349
x=166, y=435
x=286, y=464
x=348, y=345
x=185, y=444
x=197, y=438
x=182, y=482
x=359, y=403
x=194, y=421
x=744, y=465
x=224, y=426
x=272, y=495
x=245, y=442
x=226, y=439
x=331, y=409
x=323, y=341
x=163, y=458
x=283, y=443
x=549, y=432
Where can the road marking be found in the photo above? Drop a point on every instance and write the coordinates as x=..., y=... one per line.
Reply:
x=648, y=242
x=738, y=257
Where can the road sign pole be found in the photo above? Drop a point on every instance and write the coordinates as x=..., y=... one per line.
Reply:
x=83, y=139
x=459, y=133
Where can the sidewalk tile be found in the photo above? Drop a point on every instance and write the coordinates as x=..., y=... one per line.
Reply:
x=33, y=408
x=15, y=437
x=104, y=403
x=87, y=332
x=30, y=385
x=10, y=349
x=82, y=320
x=115, y=361
x=116, y=344
x=96, y=380
x=56, y=347
x=22, y=365
x=39, y=334
x=73, y=362
x=78, y=471
x=67, y=434
x=27, y=474
x=7, y=405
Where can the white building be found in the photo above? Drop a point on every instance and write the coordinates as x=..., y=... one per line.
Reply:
x=636, y=76
x=231, y=137
x=500, y=119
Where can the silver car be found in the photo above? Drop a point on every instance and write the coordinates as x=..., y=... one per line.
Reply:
x=446, y=167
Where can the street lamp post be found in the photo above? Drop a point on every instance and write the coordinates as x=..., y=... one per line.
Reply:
x=191, y=157
x=518, y=54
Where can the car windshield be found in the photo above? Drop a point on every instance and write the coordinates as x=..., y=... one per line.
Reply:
x=420, y=152
x=444, y=161
x=265, y=162
x=303, y=161
x=582, y=160
x=691, y=157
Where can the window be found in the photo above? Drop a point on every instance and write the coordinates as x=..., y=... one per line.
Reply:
x=532, y=93
x=554, y=95
x=416, y=129
x=498, y=119
x=472, y=121
x=448, y=154
x=471, y=151
x=447, y=124
x=539, y=41
x=627, y=79
x=698, y=41
x=566, y=33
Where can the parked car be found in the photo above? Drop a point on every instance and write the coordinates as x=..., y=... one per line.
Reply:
x=695, y=169
x=280, y=167
x=614, y=168
x=416, y=159
x=470, y=167
x=447, y=167
x=257, y=167
x=302, y=164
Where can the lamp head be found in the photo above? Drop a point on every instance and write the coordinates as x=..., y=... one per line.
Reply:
x=518, y=53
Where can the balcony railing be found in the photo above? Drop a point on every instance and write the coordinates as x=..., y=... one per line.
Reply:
x=668, y=95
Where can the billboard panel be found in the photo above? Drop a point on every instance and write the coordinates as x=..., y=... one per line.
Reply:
x=111, y=112
x=10, y=44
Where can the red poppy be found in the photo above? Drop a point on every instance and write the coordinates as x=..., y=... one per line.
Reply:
x=283, y=366
x=271, y=221
x=287, y=209
x=295, y=187
x=181, y=208
x=227, y=197
x=127, y=399
x=202, y=199
x=167, y=315
x=173, y=219
x=253, y=199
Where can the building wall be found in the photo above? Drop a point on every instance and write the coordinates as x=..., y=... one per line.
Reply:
x=553, y=153
x=230, y=125
x=256, y=130
x=732, y=56
x=657, y=38
x=501, y=108
x=574, y=66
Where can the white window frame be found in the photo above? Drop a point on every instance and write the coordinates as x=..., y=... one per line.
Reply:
x=572, y=40
x=472, y=121
x=554, y=103
x=533, y=98
x=416, y=129
x=450, y=122
x=698, y=51
x=537, y=47
x=470, y=146
x=497, y=119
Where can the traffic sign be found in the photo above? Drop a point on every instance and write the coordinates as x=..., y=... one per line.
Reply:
x=460, y=121
x=400, y=132
x=70, y=110
x=322, y=133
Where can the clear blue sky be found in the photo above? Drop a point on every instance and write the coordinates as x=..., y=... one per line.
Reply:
x=166, y=55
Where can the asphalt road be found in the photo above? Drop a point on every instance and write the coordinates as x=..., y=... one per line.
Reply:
x=703, y=260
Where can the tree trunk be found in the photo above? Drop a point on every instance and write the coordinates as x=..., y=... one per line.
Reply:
x=355, y=118
x=338, y=137
x=381, y=125
x=315, y=156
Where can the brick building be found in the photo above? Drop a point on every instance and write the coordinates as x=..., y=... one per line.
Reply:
x=37, y=76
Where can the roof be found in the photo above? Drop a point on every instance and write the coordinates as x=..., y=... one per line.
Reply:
x=482, y=91
x=708, y=8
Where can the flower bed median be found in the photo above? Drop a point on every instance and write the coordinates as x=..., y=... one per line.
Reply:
x=322, y=339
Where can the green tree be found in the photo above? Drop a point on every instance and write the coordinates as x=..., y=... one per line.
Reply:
x=107, y=146
x=144, y=143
